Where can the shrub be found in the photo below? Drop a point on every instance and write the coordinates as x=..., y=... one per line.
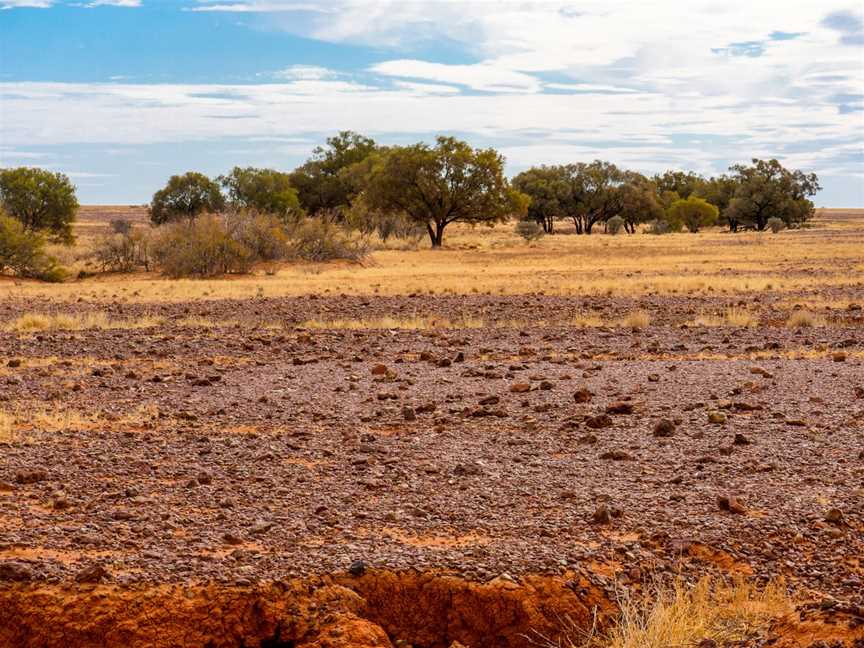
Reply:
x=386, y=224
x=658, y=226
x=614, y=225
x=264, y=235
x=776, y=224
x=318, y=239
x=41, y=200
x=22, y=252
x=121, y=226
x=529, y=230
x=692, y=213
x=202, y=247
x=124, y=251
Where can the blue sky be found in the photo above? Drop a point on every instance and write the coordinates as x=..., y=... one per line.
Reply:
x=120, y=94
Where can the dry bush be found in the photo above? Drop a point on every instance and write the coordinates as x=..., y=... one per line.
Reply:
x=321, y=239
x=203, y=247
x=686, y=615
x=637, y=319
x=30, y=322
x=804, y=319
x=123, y=251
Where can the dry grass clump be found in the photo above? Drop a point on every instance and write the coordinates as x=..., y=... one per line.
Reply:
x=804, y=319
x=418, y=323
x=30, y=322
x=737, y=317
x=685, y=615
x=7, y=427
x=637, y=319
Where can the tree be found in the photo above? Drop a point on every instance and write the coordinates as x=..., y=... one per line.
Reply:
x=186, y=196
x=683, y=183
x=638, y=202
x=324, y=183
x=595, y=196
x=40, y=200
x=766, y=190
x=719, y=191
x=450, y=182
x=551, y=191
x=692, y=213
x=262, y=190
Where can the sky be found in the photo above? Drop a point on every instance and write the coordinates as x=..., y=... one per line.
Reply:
x=122, y=94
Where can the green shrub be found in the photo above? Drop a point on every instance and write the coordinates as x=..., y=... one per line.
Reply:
x=264, y=235
x=775, y=224
x=22, y=252
x=614, y=225
x=529, y=230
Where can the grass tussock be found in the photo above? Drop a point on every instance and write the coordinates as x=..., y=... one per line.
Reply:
x=410, y=323
x=7, y=427
x=33, y=322
x=637, y=320
x=736, y=317
x=804, y=319
x=686, y=615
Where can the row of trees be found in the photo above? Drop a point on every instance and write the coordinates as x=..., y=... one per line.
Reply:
x=593, y=193
x=430, y=187
x=425, y=187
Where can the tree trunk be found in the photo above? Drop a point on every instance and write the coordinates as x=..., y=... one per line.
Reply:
x=436, y=235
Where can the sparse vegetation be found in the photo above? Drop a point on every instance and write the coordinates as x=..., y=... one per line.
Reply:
x=34, y=322
x=804, y=319
x=22, y=252
x=682, y=615
x=529, y=230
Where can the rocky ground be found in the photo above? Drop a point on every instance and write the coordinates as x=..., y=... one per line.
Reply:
x=242, y=453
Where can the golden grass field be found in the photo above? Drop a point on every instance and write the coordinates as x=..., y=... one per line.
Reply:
x=495, y=261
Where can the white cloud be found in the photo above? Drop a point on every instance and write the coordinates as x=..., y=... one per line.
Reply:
x=33, y=4
x=481, y=76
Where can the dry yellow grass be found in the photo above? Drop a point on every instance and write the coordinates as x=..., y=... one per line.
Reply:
x=737, y=317
x=30, y=322
x=410, y=323
x=496, y=261
x=804, y=319
x=637, y=319
x=683, y=616
x=7, y=427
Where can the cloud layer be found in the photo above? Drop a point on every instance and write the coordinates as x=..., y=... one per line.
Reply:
x=649, y=85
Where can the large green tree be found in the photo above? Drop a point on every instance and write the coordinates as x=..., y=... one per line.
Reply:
x=263, y=190
x=766, y=189
x=596, y=196
x=692, y=213
x=325, y=182
x=442, y=184
x=186, y=196
x=551, y=191
x=41, y=200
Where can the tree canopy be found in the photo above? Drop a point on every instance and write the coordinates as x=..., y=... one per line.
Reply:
x=41, y=200
x=263, y=190
x=186, y=196
x=766, y=189
x=450, y=182
x=692, y=213
x=324, y=182
x=551, y=191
